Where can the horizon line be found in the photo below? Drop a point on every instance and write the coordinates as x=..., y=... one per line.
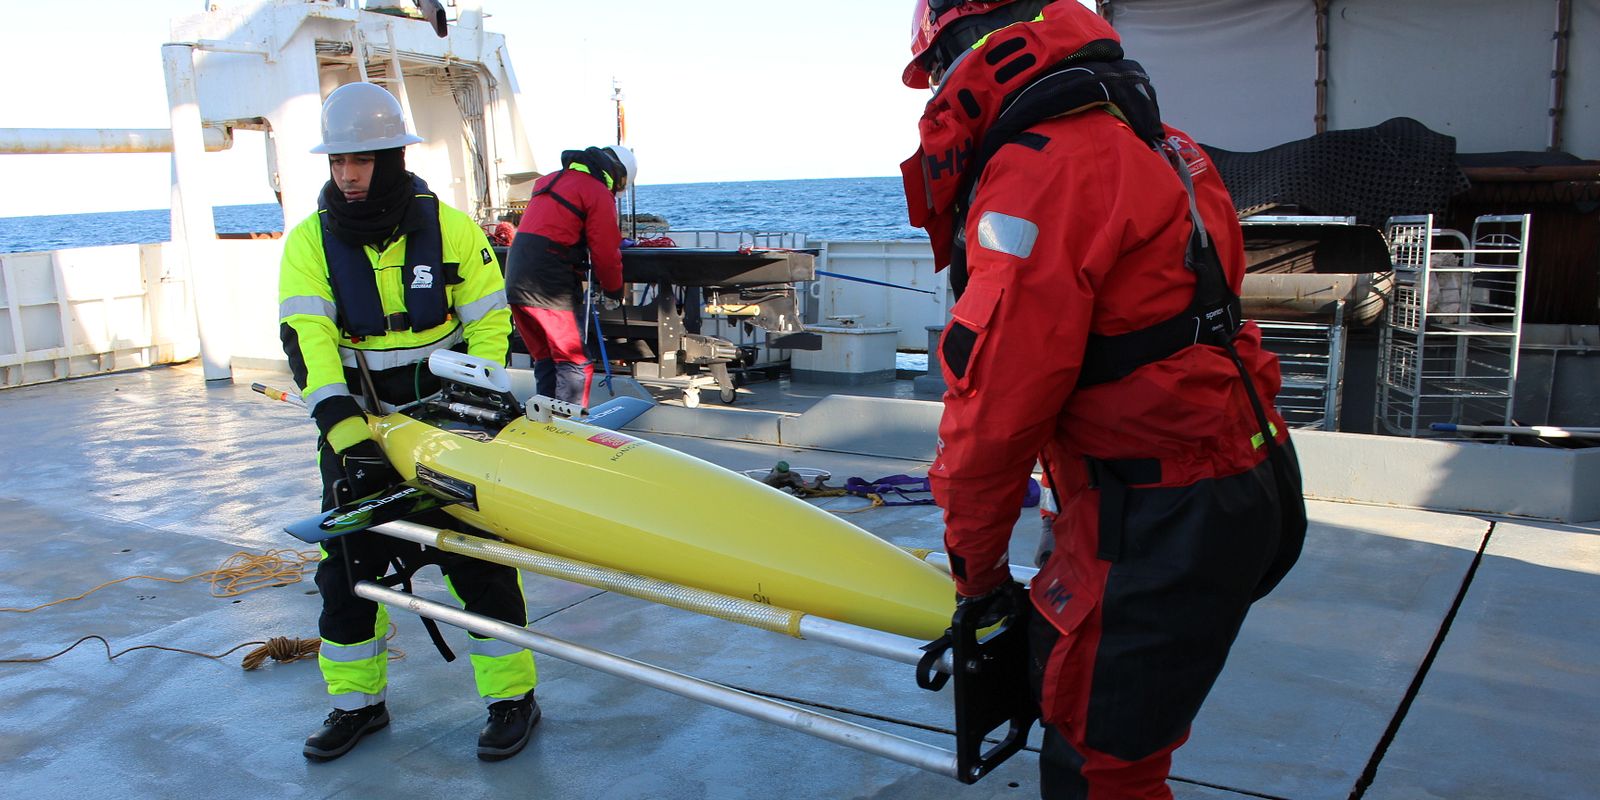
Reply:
x=168, y=209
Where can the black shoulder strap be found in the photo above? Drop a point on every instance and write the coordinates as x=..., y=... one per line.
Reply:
x=1213, y=317
x=549, y=189
x=426, y=275
x=406, y=562
x=353, y=283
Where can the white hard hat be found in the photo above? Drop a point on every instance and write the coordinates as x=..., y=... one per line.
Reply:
x=629, y=163
x=359, y=117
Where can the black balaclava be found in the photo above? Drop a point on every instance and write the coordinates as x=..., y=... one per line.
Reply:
x=598, y=160
x=374, y=220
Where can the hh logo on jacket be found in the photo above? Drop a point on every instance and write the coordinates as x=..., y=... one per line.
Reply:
x=422, y=277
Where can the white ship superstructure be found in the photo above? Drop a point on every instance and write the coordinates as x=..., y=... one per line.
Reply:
x=1436, y=639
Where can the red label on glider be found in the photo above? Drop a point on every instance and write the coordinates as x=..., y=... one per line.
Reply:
x=611, y=440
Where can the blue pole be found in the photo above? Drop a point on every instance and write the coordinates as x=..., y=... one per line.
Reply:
x=601, y=338
x=873, y=282
x=594, y=316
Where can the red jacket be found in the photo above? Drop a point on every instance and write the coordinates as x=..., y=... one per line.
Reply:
x=1109, y=222
x=598, y=226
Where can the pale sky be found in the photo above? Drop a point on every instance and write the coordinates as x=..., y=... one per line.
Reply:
x=716, y=90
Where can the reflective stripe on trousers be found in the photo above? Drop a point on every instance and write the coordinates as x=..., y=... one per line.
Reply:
x=500, y=670
x=357, y=674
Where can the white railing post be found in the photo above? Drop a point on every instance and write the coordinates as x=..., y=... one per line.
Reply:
x=192, y=202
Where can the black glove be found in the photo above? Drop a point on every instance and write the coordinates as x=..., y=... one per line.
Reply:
x=993, y=606
x=366, y=470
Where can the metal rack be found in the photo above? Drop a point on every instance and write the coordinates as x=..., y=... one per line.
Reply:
x=1311, y=357
x=1448, y=346
x=1308, y=279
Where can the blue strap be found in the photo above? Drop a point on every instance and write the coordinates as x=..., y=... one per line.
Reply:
x=906, y=488
x=903, y=487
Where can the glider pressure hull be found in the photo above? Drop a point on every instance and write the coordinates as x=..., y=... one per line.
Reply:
x=614, y=500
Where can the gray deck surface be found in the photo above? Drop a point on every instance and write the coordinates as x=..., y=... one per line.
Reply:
x=152, y=473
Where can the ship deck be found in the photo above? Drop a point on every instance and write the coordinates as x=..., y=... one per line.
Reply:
x=1428, y=654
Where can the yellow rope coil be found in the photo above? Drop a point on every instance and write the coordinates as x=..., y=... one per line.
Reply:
x=241, y=573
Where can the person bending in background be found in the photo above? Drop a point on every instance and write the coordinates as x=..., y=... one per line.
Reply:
x=570, y=227
x=385, y=273
x=1097, y=260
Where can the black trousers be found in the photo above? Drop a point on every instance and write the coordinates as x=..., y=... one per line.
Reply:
x=484, y=588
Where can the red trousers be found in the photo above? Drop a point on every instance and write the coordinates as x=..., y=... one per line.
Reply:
x=554, y=336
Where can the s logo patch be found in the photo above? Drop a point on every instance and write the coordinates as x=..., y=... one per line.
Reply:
x=422, y=277
x=486, y=256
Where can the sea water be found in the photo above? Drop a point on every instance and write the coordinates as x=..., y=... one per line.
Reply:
x=829, y=208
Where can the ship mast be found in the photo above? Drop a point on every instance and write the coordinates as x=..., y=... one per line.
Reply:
x=622, y=139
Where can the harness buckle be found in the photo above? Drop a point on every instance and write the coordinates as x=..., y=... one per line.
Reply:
x=398, y=321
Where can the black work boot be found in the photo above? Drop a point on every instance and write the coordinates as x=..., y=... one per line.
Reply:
x=342, y=729
x=509, y=728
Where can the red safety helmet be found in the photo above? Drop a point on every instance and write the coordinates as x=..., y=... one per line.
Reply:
x=934, y=17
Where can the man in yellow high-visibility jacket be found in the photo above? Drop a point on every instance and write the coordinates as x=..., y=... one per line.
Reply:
x=385, y=273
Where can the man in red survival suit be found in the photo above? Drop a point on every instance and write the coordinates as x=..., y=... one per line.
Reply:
x=570, y=227
x=1097, y=258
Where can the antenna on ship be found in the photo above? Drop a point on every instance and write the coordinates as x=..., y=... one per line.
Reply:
x=622, y=139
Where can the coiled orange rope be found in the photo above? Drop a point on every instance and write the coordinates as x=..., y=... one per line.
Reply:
x=283, y=649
